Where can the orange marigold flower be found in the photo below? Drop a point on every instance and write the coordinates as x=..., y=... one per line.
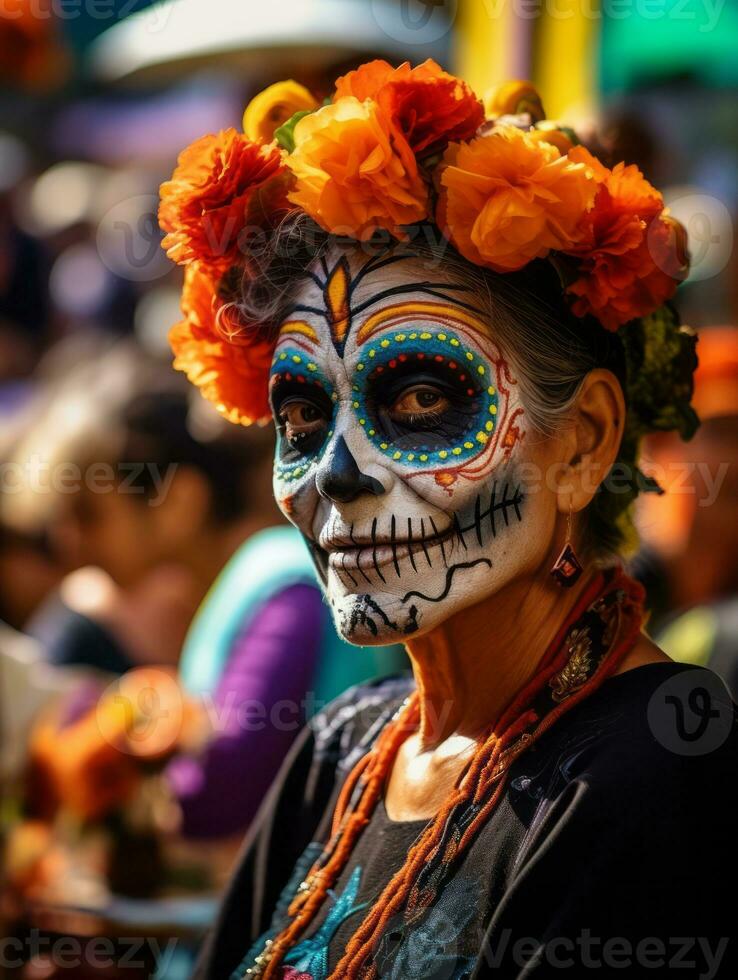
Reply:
x=228, y=362
x=426, y=104
x=507, y=198
x=354, y=175
x=367, y=80
x=632, y=255
x=223, y=184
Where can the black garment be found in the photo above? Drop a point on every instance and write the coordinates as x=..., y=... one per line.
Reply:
x=612, y=848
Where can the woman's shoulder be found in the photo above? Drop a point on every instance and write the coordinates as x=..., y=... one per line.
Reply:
x=661, y=730
x=638, y=783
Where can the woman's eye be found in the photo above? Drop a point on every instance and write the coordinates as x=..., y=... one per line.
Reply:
x=418, y=404
x=301, y=419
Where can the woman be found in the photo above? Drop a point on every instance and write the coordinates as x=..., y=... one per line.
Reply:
x=462, y=334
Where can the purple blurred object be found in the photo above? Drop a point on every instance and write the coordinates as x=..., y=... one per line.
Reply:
x=259, y=704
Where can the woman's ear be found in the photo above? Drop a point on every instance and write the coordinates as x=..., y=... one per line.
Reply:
x=596, y=431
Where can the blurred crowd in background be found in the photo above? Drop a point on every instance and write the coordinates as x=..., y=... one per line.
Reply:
x=150, y=681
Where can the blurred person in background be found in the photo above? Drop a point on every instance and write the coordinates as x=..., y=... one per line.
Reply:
x=30, y=569
x=63, y=485
x=690, y=561
x=29, y=572
x=181, y=497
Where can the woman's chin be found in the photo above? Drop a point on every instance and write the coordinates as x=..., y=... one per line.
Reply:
x=374, y=618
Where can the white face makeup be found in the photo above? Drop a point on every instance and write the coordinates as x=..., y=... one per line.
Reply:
x=400, y=434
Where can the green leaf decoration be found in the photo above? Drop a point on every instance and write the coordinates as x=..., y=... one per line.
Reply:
x=285, y=134
x=570, y=135
x=545, y=125
x=661, y=359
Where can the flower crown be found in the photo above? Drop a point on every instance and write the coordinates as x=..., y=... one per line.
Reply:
x=395, y=147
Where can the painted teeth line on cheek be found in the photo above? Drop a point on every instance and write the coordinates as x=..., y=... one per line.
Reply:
x=492, y=511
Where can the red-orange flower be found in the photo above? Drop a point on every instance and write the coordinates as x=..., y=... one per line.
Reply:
x=426, y=104
x=353, y=175
x=226, y=360
x=507, y=198
x=223, y=184
x=633, y=255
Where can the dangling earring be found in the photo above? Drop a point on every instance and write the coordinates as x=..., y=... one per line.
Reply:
x=567, y=568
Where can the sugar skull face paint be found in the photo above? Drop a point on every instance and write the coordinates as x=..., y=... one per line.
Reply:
x=400, y=434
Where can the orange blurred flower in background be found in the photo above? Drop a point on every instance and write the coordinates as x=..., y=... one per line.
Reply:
x=512, y=98
x=229, y=364
x=272, y=108
x=33, y=53
x=633, y=254
x=223, y=183
x=425, y=104
x=507, y=198
x=79, y=769
x=353, y=175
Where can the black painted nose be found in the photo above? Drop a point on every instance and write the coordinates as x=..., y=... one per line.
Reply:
x=341, y=479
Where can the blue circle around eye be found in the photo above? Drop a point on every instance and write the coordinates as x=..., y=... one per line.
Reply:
x=295, y=365
x=390, y=351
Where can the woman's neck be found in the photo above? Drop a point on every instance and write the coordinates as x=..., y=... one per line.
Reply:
x=468, y=669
